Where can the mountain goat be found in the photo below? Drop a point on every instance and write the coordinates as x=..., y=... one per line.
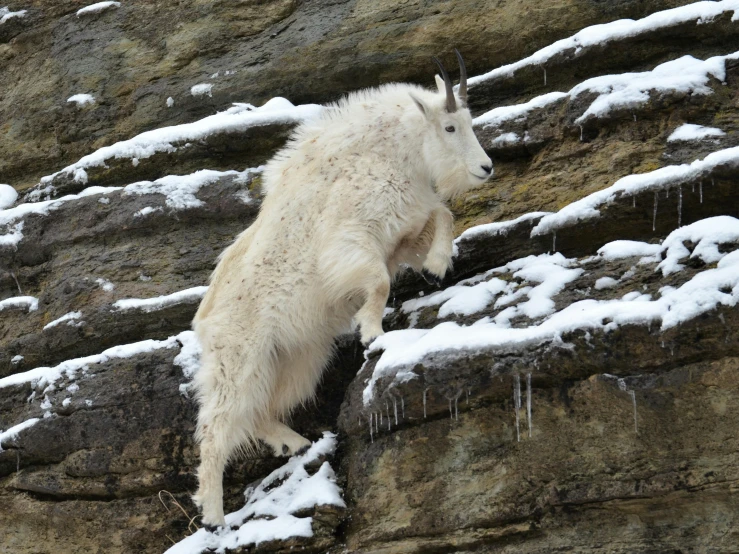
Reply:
x=356, y=193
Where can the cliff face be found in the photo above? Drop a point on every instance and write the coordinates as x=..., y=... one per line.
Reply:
x=563, y=391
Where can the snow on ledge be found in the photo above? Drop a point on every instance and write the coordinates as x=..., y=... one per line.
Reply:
x=498, y=228
x=70, y=318
x=97, y=8
x=6, y=14
x=82, y=99
x=8, y=196
x=179, y=190
x=239, y=118
x=160, y=302
x=672, y=175
x=498, y=116
x=270, y=507
x=717, y=286
x=43, y=376
x=686, y=75
x=700, y=12
x=689, y=131
x=29, y=302
x=12, y=433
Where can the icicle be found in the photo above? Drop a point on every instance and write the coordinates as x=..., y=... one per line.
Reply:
x=692, y=186
x=634, y=117
x=387, y=413
x=377, y=423
x=402, y=406
x=679, y=206
x=372, y=437
x=633, y=400
x=580, y=133
x=456, y=408
x=380, y=417
x=468, y=395
x=517, y=402
x=667, y=192
x=554, y=241
x=545, y=75
x=654, y=216
x=700, y=188
x=633, y=201
x=528, y=401
x=712, y=183
x=395, y=409
x=424, y=403
x=451, y=414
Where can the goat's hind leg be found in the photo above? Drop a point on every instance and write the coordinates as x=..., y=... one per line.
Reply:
x=297, y=378
x=226, y=422
x=220, y=435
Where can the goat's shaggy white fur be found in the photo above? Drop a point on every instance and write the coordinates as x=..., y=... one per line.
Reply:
x=355, y=194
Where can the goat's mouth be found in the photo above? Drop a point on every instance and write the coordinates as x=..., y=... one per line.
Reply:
x=482, y=178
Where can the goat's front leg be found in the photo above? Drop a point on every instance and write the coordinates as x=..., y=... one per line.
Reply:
x=439, y=258
x=376, y=288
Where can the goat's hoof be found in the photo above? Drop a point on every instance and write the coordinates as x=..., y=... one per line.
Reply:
x=211, y=528
x=302, y=450
x=431, y=278
x=285, y=450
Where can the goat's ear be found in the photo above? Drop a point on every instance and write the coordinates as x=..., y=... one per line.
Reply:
x=440, y=84
x=421, y=105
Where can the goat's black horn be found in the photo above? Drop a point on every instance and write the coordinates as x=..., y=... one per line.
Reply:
x=451, y=103
x=462, y=78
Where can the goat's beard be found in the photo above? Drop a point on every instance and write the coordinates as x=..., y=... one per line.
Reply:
x=455, y=182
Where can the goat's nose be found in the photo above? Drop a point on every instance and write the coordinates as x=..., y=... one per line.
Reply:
x=487, y=168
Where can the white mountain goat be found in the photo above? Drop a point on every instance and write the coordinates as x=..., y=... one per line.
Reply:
x=355, y=193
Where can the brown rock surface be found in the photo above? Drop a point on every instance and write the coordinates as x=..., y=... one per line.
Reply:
x=87, y=477
x=134, y=57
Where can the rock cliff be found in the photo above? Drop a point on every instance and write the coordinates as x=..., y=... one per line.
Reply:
x=572, y=387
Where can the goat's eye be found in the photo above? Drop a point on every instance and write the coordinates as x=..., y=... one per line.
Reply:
x=449, y=129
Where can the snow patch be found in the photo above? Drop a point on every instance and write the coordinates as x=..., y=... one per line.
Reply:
x=42, y=377
x=8, y=196
x=104, y=284
x=28, y=302
x=170, y=102
x=605, y=283
x=97, y=8
x=672, y=175
x=686, y=75
x=189, y=357
x=146, y=211
x=6, y=14
x=499, y=228
x=706, y=234
x=165, y=139
x=180, y=190
x=70, y=318
x=12, y=433
x=160, y=302
x=202, y=89
x=504, y=114
x=620, y=249
x=716, y=286
x=10, y=218
x=689, y=131
x=82, y=99
x=700, y=12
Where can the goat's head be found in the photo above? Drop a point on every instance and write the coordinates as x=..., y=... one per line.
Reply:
x=451, y=149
